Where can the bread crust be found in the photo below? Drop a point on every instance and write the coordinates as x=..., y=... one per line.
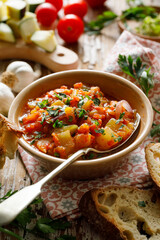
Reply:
x=152, y=156
x=126, y=218
x=9, y=134
x=105, y=228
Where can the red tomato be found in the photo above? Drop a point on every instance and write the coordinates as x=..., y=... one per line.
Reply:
x=70, y=28
x=78, y=8
x=46, y=14
x=56, y=3
x=95, y=3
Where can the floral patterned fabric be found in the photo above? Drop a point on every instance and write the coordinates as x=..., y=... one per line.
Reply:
x=61, y=196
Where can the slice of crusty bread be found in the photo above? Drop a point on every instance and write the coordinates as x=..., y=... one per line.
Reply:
x=124, y=213
x=8, y=139
x=152, y=155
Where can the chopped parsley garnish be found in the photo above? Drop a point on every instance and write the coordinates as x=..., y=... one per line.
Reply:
x=58, y=124
x=60, y=96
x=141, y=204
x=95, y=122
x=43, y=118
x=56, y=154
x=102, y=131
x=118, y=139
x=120, y=117
x=96, y=101
x=67, y=102
x=35, y=137
x=53, y=112
x=82, y=112
x=70, y=119
x=87, y=96
x=81, y=102
x=43, y=104
x=121, y=126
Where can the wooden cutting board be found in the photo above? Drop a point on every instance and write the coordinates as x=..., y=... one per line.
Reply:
x=60, y=60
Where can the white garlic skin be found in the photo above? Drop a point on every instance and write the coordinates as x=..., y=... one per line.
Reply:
x=24, y=74
x=6, y=98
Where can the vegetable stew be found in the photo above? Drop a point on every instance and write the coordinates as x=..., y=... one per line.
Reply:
x=67, y=119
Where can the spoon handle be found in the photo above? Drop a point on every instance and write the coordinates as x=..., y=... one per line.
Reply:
x=11, y=207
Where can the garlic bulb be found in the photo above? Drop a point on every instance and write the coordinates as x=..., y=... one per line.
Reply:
x=6, y=98
x=24, y=74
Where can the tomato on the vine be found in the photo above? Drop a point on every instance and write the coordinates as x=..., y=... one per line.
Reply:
x=56, y=3
x=46, y=14
x=95, y=3
x=70, y=27
x=78, y=7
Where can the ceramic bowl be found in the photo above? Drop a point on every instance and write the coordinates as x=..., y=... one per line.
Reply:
x=113, y=85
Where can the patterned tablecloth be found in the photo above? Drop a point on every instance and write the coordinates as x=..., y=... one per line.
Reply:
x=61, y=196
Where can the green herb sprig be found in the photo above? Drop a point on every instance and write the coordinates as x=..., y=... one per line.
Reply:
x=42, y=226
x=137, y=13
x=138, y=71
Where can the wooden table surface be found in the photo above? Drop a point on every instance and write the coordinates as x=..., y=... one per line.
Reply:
x=92, y=52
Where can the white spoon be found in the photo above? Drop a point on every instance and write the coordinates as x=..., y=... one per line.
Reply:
x=10, y=208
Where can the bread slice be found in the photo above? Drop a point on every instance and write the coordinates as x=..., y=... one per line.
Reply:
x=8, y=139
x=124, y=213
x=152, y=155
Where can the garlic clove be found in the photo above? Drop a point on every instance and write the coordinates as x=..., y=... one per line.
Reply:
x=6, y=98
x=25, y=76
x=12, y=67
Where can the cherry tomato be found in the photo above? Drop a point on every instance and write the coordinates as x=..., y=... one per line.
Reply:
x=78, y=8
x=95, y=3
x=46, y=14
x=56, y=3
x=70, y=28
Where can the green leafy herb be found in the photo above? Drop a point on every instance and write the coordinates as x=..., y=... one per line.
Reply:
x=141, y=204
x=121, y=126
x=138, y=13
x=70, y=119
x=43, y=104
x=7, y=195
x=155, y=130
x=56, y=154
x=96, y=101
x=60, y=96
x=102, y=131
x=67, y=102
x=95, y=27
x=95, y=122
x=120, y=117
x=35, y=137
x=58, y=124
x=82, y=112
x=138, y=71
x=43, y=118
x=118, y=139
x=81, y=102
x=52, y=112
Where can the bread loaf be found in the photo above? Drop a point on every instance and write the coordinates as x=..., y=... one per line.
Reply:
x=152, y=155
x=123, y=212
x=8, y=139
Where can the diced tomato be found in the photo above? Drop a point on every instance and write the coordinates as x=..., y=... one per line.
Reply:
x=31, y=118
x=55, y=139
x=83, y=140
x=61, y=150
x=32, y=127
x=78, y=85
x=99, y=116
x=84, y=128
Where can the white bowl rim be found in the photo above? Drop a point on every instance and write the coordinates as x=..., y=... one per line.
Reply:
x=116, y=155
